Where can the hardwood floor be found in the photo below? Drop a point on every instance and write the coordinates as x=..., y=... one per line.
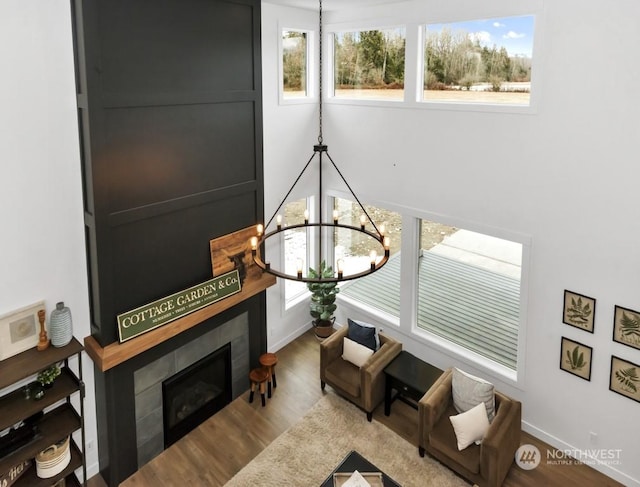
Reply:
x=219, y=448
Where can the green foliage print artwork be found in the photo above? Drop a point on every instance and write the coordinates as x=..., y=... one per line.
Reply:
x=575, y=358
x=628, y=378
x=626, y=327
x=625, y=378
x=579, y=311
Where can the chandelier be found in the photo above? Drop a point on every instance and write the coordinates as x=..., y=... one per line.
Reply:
x=321, y=234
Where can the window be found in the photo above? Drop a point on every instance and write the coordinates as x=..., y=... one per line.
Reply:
x=369, y=64
x=380, y=290
x=295, y=244
x=480, y=61
x=469, y=290
x=294, y=64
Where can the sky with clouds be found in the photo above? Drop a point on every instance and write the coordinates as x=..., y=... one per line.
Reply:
x=514, y=33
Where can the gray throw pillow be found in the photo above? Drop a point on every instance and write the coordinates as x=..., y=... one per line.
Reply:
x=469, y=391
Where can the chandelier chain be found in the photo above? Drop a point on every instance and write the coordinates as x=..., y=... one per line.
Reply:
x=320, y=73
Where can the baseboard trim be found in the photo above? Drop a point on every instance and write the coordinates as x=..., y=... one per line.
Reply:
x=594, y=463
x=274, y=347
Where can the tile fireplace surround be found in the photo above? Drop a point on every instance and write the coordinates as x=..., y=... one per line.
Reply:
x=148, y=379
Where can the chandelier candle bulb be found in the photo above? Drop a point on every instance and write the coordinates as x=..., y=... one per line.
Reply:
x=279, y=222
x=259, y=229
x=254, y=244
x=373, y=255
x=335, y=218
x=340, y=268
x=306, y=216
x=382, y=229
x=363, y=220
x=386, y=243
x=299, y=263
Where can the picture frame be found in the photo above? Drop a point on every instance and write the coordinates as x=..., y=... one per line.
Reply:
x=624, y=378
x=20, y=330
x=626, y=326
x=579, y=311
x=575, y=358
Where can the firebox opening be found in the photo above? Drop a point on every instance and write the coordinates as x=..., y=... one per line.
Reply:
x=196, y=393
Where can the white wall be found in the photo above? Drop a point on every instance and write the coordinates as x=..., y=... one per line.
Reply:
x=42, y=253
x=290, y=132
x=565, y=175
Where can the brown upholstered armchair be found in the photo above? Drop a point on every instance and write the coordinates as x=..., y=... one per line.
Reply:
x=364, y=386
x=486, y=464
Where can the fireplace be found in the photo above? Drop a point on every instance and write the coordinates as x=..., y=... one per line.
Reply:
x=150, y=381
x=196, y=393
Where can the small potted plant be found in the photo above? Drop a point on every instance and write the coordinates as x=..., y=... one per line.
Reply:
x=323, y=300
x=47, y=376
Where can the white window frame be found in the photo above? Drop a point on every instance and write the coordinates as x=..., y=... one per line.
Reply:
x=311, y=70
x=329, y=62
x=465, y=355
x=531, y=108
x=303, y=294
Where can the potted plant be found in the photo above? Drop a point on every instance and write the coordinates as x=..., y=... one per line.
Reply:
x=323, y=300
x=47, y=376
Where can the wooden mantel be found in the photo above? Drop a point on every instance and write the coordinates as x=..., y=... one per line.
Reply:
x=116, y=353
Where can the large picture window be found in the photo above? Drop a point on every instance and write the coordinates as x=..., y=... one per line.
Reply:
x=480, y=61
x=469, y=290
x=369, y=64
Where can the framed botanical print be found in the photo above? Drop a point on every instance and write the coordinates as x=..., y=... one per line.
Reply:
x=575, y=358
x=626, y=327
x=579, y=311
x=625, y=378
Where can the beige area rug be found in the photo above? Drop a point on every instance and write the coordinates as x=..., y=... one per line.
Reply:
x=305, y=454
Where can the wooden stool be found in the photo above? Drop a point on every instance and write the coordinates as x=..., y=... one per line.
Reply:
x=258, y=377
x=269, y=362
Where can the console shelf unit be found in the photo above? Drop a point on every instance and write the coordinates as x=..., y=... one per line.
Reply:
x=57, y=423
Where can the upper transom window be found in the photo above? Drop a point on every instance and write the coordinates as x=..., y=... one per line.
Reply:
x=294, y=64
x=369, y=64
x=479, y=61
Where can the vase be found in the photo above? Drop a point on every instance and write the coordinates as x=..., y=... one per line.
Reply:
x=60, y=326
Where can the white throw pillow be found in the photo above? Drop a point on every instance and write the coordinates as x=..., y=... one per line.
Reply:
x=355, y=353
x=469, y=390
x=356, y=480
x=470, y=426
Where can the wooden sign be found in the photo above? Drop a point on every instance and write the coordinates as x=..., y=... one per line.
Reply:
x=160, y=312
x=233, y=251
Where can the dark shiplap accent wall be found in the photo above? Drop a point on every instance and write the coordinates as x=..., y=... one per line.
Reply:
x=171, y=128
x=169, y=109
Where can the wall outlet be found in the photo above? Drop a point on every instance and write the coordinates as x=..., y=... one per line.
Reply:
x=91, y=445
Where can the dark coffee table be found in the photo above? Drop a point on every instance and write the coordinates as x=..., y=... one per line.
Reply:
x=410, y=377
x=354, y=461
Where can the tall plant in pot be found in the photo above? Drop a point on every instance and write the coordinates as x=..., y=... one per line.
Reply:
x=323, y=300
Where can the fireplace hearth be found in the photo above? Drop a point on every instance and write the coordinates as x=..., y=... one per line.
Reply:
x=196, y=393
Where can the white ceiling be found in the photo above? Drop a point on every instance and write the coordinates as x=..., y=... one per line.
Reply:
x=331, y=4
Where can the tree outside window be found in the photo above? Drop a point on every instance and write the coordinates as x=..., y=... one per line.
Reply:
x=294, y=64
x=369, y=64
x=482, y=61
